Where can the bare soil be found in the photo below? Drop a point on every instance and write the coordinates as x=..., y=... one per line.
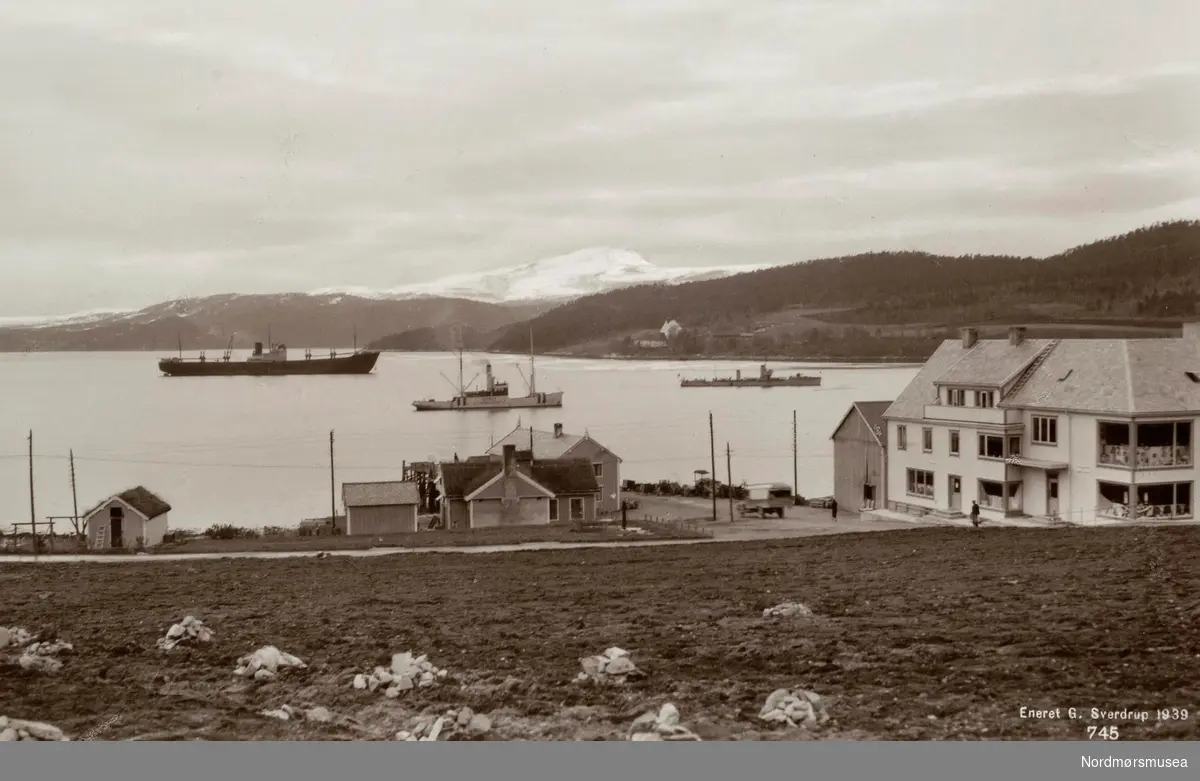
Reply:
x=930, y=633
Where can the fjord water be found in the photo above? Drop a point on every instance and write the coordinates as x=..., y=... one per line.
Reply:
x=254, y=451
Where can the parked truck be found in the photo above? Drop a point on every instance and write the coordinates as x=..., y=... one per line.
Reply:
x=765, y=499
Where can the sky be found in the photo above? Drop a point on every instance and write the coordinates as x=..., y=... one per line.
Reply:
x=154, y=149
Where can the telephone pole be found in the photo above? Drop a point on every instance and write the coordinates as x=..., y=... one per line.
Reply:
x=74, y=497
x=795, y=459
x=729, y=478
x=712, y=448
x=32, y=508
x=332, y=487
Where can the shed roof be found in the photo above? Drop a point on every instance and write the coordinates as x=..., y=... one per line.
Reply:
x=139, y=498
x=380, y=494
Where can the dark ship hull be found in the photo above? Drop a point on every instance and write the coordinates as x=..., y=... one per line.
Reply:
x=358, y=363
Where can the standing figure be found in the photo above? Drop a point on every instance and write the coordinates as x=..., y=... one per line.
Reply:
x=975, y=514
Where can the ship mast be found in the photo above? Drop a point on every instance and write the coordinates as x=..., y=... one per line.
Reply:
x=462, y=391
x=532, y=373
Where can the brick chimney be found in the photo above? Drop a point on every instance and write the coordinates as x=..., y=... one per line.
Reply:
x=510, y=459
x=1191, y=331
x=969, y=337
x=1016, y=335
x=557, y=430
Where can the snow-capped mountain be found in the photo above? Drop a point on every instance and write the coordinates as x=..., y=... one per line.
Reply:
x=581, y=273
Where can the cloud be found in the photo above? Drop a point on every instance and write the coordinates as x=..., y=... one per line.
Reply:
x=297, y=145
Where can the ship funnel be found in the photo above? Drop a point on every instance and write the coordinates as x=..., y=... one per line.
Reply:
x=739, y=375
x=258, y=348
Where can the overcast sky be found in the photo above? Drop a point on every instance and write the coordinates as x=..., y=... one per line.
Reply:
x=159, y=148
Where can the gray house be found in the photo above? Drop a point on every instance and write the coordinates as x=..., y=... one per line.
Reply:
x=860, y=457
x=381, y=508
x=552, y=445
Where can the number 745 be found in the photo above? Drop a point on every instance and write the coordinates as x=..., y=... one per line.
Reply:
x=1102, y=733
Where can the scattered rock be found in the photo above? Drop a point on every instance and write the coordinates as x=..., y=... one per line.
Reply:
x=316, y=715
x=788, y=610
x=15, y=636
x=19, y=729
x=324, y=555
x=44, y=656
x=613, y=666
x=189, y=631
x=266, y=663
x=795, y=708
x=662, y=724
x=456, y=722
x=285, y=713
x=406, y=673
x=319, y=715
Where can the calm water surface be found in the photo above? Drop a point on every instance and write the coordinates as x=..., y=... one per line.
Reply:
x=255, y=451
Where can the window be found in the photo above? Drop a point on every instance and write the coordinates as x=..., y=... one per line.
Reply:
x=920, y=483
x=956, y=397
x=1113, y=500
x=991, y=446
x=554, y=509
x=927, y=440
x=955, y=447
x=1165, y=500
x=1114, y=444
x=985, y=399
x=902, y=437
x=1014, y=446
x=1164, y=445
x=576, y=509
x=598, y=470
x=1045, y=430
x=995, y=495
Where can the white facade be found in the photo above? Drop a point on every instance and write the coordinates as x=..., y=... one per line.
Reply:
x=1078, y=465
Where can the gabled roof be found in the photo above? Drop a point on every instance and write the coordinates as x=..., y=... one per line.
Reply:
x=522, y=474
x=992, y=362
x=566, y=476
x=140, y=499
x=380, y=494
x=545, y=444
x=459, y=478
x=872, y=414
x=558, y=476
x=1115, y=376
x=1096, y=376
x=910, y=404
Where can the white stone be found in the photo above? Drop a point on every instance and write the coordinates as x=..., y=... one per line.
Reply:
x=360, y=682
x=319, y=714
x=9, y=734
x=464, y=717
x=645, y=736
x=479, y=724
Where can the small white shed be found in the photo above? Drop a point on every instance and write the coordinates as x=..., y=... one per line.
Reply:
x=126, y=520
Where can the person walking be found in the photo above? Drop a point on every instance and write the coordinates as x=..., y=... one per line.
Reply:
x=975, y=514
x=833, y=509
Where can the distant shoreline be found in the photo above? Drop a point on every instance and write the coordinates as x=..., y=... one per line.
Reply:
x=725, y=358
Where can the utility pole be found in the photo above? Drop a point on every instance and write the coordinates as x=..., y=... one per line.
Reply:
x=32, y=510
x=74, y=497
x=795, y=460
x=712, y=449
x=729, y=478
x=332, y=487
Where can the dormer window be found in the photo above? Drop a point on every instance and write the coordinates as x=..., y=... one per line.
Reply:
x=985, y=398
x=956, y=397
